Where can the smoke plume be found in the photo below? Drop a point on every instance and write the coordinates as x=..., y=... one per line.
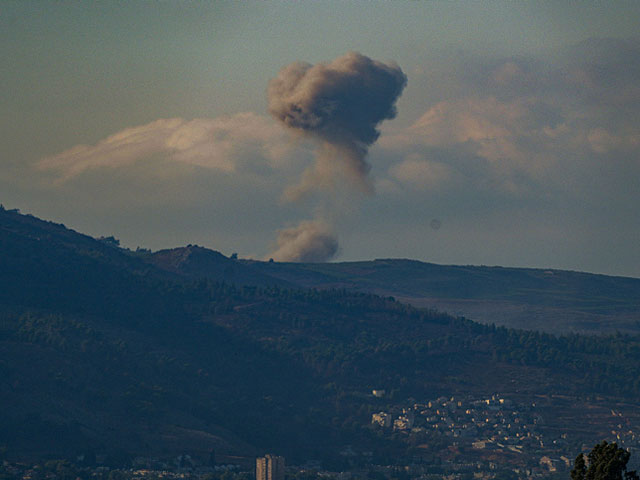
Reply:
x=339, y=104
x=310, y=241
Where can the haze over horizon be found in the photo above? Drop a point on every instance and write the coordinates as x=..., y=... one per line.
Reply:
x=516, y=140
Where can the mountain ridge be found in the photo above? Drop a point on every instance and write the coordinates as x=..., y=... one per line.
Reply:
x=552, y=300
x=101, y=349
x=514, y=297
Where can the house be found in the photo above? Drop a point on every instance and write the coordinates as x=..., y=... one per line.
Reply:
x=381, y=418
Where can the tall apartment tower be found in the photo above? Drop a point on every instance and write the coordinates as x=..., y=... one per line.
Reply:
x=270, y=467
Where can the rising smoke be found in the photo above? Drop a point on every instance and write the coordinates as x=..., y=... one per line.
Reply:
x=339, y=105
x=310, y=241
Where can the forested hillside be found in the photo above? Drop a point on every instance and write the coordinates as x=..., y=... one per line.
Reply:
x=101, y=350
x=554, y=301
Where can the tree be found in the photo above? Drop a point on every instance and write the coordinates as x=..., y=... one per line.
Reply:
x=605, y=462
x=579, y=468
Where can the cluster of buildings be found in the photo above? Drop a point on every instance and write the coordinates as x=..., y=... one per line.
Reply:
x=483, y=428
x=494, y=419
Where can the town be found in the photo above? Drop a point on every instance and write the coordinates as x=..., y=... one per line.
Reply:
x=452, y=437
x=491, y=433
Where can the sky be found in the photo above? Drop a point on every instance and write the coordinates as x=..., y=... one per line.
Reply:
x=499, y=133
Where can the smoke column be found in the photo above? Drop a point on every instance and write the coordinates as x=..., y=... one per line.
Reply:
x=339, y=105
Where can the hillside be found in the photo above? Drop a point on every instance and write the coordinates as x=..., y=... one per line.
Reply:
x=554, y=301
x=101, y=350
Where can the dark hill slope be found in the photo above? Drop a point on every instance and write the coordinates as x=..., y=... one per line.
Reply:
x=556, y=301
x=100, y=350
x=45, y=265
x=98, y=347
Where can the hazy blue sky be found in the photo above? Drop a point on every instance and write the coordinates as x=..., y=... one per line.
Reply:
x=518, y=130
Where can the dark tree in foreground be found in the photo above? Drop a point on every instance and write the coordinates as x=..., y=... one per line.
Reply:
x=605, y=462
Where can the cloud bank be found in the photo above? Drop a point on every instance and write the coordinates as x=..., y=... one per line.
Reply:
x=521, y=125
x=224, y=144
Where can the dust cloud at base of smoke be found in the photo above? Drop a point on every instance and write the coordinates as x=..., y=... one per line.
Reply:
x=309, y=241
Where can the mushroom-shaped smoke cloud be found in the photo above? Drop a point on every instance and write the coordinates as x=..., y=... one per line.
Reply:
x=339, y=104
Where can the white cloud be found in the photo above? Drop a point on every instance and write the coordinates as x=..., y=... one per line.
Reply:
x=478, y=143
x=223, y=143
x=504, y=133
x=419, y=172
